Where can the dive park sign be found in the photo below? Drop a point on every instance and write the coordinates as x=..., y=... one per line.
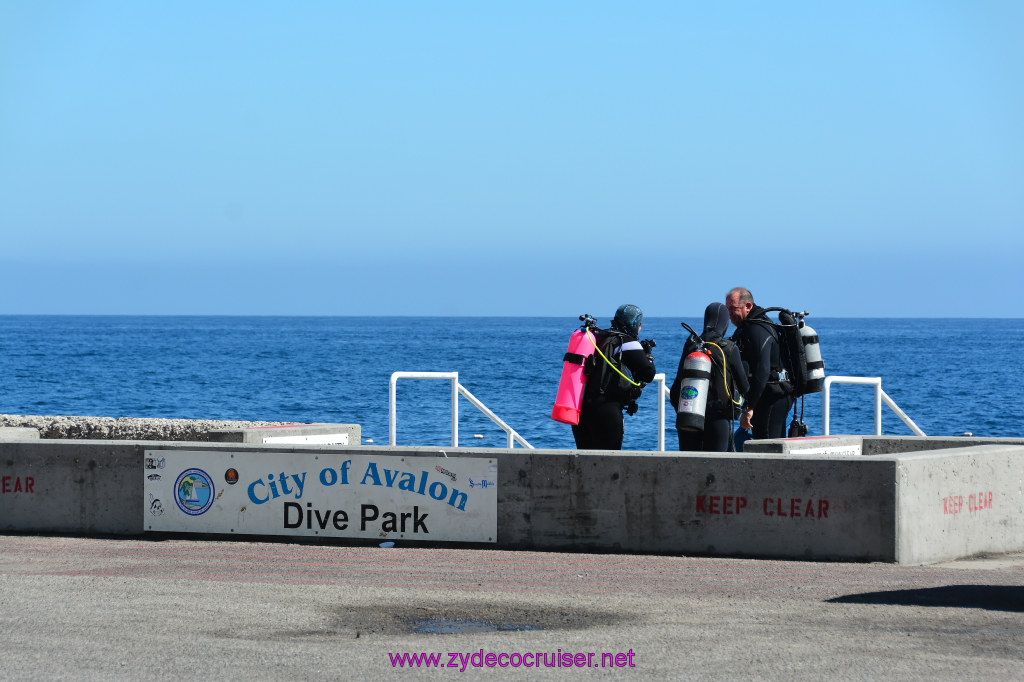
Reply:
x=317, y=494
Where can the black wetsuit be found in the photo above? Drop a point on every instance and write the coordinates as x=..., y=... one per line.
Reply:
x=720, y=411
x=760, y=351
x=601, y=425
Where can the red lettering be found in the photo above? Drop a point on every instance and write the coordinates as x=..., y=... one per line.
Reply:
x=979, y=501
x=17, y=484
x=952, y=504
x=726, y=504
x=793, y=507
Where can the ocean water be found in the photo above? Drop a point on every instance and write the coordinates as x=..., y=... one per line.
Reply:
x=949, y=375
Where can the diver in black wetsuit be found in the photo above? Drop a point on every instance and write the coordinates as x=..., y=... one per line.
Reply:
x=607, y=393
x=728, y=383
x=759, y=348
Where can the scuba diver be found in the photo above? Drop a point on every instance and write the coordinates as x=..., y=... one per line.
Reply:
x=728, y=382
x=616, y=375
x=770, y=392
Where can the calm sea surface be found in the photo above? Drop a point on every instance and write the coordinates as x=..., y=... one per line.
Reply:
x=950, y=376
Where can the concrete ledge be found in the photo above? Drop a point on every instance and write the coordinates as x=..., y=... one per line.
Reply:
x=290, y=434
x=10, y=433
x=125, y=428
x=811, y=445
x=892, y=445
x=868, y=445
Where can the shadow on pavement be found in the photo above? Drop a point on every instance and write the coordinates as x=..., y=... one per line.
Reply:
x=990, y=597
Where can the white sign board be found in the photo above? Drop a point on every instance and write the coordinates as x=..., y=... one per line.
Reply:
x=317, y=494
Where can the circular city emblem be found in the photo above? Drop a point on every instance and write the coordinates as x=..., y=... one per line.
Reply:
x=193, y=491
x=689, y=392
x=231, y=476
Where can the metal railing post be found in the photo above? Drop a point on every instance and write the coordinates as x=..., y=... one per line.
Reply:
x=662, y=395
x=455, y=410
x=879, y=397
x=392, y=411
x=825, y=405
x=901, y=414
x=457, y=388
x=878, y=407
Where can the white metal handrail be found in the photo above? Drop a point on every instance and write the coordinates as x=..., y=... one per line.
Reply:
x=457, y=389
x=880, y=396
x=663, y=394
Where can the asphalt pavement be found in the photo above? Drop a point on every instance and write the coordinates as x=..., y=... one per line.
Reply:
x=140, y=608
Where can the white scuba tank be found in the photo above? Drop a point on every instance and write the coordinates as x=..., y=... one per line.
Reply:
x=693, y=393
x=815, y=365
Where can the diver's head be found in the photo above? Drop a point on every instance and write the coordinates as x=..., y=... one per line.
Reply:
x=716, y=319
x=628, y=318
x=740, y=302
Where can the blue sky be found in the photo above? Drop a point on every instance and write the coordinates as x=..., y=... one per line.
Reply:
x=500, y=158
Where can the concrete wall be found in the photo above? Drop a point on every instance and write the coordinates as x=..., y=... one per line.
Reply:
x=68, y=486
x=963, y=502
x=884, y=507
x=766, y=506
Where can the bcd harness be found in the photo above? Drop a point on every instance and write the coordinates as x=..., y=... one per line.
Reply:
x=604, y=369
x=799, y=369
x=722, y=398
